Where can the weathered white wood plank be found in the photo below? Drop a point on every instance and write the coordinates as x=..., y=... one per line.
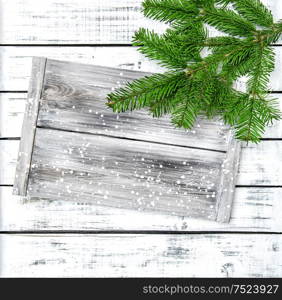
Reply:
x=53, y=207
x=199, y=255
x=107, y=169
x=12, y=106
x=254, y=209
x=72, y=21
x=8, y=160
x=129, y=174
x=74, y=99
x=29, y=126
x=15, y=62
x=257, y=209
x=228, y=182
x=84, y=21
x=260, y=164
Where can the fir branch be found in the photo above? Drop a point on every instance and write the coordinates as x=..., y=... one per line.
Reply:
x=142, y=92
x=254, y=115
x=168, y=52
x=228, y=22
x=255, y=12
x=221, y=56
x=190, y=38
x=200, y=84
x=221, y=41
x=186, y=110
x=164, y=105
x=260, y=73
x=169, y=10
x=238, y=65
x=257, y=112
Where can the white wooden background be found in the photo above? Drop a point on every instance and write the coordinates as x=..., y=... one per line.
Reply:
x=75, y=239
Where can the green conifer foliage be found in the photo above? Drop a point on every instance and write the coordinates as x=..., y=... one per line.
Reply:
x=204, y=85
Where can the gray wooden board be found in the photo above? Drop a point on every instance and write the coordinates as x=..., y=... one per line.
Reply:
x=150, y=255
x=73, y=98
x=80, y=22
x=255, y=209
x=16, y=62
x=81, y=150
x=29, y=124
x=254, y=169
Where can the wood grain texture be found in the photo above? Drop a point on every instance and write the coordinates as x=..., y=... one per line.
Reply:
x=84, y=21
x=15, y=62
x=12, y=106
x=29, y=126
x=114, y=255
x=72, y=21
x=128, y=174
x=74, y=98
x=254, y=209
x=229, y=180
x=143, y=170
x=260, y=164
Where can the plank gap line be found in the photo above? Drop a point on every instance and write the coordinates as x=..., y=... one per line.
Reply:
x=237, y=186
x=135, y=232
x=81, y=45
x=67, y=45
x=10, y=138
x=259, y=186
x=269, y=140
x=25, y=91
x=13, y=92
x=130, y=139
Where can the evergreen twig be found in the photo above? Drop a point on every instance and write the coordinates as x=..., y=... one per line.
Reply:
x=195, y=84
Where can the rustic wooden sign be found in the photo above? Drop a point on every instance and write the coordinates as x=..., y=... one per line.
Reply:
x=74, y=148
